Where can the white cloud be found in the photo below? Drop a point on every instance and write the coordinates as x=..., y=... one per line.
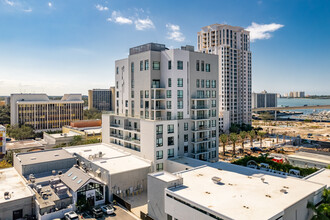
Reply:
x=50, y=4
x=117, y=18
x=11, y=3
x=262, y=31
x=101, y=8
x=143, y=24
x=28, y=10
x=174, y=33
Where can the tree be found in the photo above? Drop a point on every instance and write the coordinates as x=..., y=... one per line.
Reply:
x=224, y=139
x=321, y=212
x=243, y=135
x=261, y=135
x=20, y=133
x=5, y=114
x=92, y=114
x=233, y=138
x=252, y=135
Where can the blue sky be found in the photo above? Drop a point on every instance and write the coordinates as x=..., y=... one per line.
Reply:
x=63, y=46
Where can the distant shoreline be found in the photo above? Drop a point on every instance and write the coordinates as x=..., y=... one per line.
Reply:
x=310, y=97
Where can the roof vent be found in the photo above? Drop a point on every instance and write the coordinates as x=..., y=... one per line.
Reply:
x=263, y=179
x=283, y=191
x=33, y=158
x=268, y=196
x=247, y=207
x=216, y=179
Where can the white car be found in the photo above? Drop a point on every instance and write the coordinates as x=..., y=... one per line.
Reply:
x=108, y=209
x=71, y=216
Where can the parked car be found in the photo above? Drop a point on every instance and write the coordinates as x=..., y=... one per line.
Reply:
x=255, y=149
x=97, y=212
x=71, y=216
x=108, y=209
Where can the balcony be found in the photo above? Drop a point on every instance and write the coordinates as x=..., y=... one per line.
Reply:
x=132, y=129
x=120, y=136
x=158, y=108
x=199, y=140
x=199, y=151
x=200, y=117
x=131, y=139
x=200, y=97
x=115, y=125
x=196, y=107
x=200, y=128
x=158, y=97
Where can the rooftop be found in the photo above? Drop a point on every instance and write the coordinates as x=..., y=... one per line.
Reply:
x=311, y=157
x=165, y=176
x=113, y=159
x=63, y=135
x=322, y=176
x=17, y=145
x=12, y=182
x=246, y=193
x=147, y=47
x=43, y=156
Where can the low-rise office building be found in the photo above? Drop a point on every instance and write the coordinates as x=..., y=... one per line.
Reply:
x=43, y=114
x=226, y=191
x=2, y=140
x=123, y=173
x=26, y=145
x=321, y=176
x=16, y=198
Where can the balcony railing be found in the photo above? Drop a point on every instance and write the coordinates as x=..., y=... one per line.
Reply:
x=196, y=140
x=132, y=129
x=200, y=107
x=200, y=117
x=200, y=128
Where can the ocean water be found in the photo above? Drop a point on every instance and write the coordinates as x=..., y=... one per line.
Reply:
x=301, y=102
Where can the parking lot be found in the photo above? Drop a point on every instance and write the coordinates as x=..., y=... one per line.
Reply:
x=120, y=214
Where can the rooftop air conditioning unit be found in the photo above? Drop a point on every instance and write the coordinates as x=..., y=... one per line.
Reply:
x=216, y=179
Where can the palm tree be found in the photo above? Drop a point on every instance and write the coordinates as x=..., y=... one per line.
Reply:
x=243, y=136
x=276, y=138
x=252, y=135
x=224, y=139
x=261, y=135
x=283, y=135
x=233, y=137
x=321, y=212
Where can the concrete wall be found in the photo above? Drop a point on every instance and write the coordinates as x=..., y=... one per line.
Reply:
x=7, y=208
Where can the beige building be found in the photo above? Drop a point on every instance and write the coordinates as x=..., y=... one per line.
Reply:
x=101, y=99
x=232, y=44
x=44, y=114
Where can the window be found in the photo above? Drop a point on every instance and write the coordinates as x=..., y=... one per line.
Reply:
x=214, y=84
x=180, y=115
x=180, y=94
x=197, y=65
x=207, y=94
x=168, y=94
x=213, y=113
x=141, y=65
x=186, y=126
x=170, y=153
x=180, y=65
x=117, y=70
x=180, y=104
x=169, y=82
x=146, y=64
x=207, y=83
x=208, y=67
x=159, y=166
x=132, y=67
x=169, y=64
x=156, y=65
x=180, y=82
x=185, y=138
x=132, y=94
x=159, y=154
x=117, y=94
x=168, y=115
x=146, y=94
x=146, y=104
x=168, y=104
x=185, y=149
x=126, y=103
x=117, y=84
x=202, y=66
x=214, y=104
x=170, y=141
x=202, y=83
x=197, y=83
x=159, y=129
x=170, y=129
x=159, y=142
x=214, y=95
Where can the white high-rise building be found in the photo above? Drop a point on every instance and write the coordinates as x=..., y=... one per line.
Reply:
x=2, y=140
x=166, y=104
x=232, y=44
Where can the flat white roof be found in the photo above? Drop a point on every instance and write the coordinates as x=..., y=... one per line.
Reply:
x=322, y=176
x=241, y=193
x=43, y=156
x=113, y=159
x=12, y=182
x=311, y=157
x=63, y=135
x=165, y=176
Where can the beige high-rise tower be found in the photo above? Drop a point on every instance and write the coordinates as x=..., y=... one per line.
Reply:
x=232, y=44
